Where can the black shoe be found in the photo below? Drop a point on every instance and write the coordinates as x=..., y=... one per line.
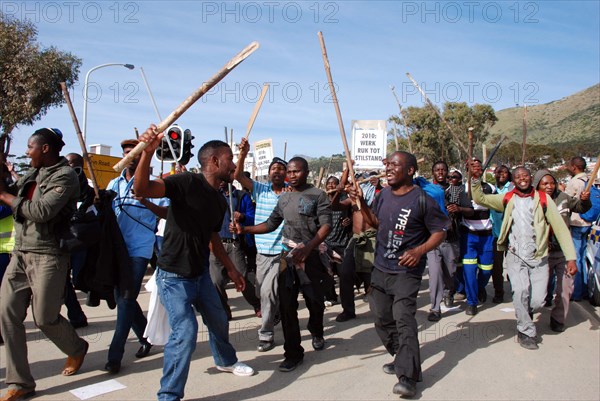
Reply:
x=345, y=316
x=526, y=341
x=405, y=387
x=144, y=350
x=449, y=301
x=112, y=367
x=556, y=326
x=434, y=316
x=389, y=369
x=482, y=296
x=289, y=364
x=318, y=343
x=264, y=346
x=79, y=325
x=498, y=298
x=471, y=310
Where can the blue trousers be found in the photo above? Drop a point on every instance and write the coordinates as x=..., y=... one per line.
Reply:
x=579, y=235
x=478, y=261
x=129, y=313
x=180, y=296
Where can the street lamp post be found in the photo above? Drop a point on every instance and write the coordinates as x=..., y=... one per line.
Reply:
x=85, y=90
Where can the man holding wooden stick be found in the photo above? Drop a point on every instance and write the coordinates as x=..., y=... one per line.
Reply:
x=409, y=224
x=42, y=202
x=269, y=246
x=194, y=220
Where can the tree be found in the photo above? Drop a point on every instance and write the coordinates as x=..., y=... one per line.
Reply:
x=431, y=139
x=30, y=77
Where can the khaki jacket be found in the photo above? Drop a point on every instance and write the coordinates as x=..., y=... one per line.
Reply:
x=541, y=223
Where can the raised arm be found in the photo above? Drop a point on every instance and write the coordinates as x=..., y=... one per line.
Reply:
x=246, y=182
x=142, y=185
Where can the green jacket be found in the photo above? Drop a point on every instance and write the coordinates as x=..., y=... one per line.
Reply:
x=541, y=223
x=40, y=222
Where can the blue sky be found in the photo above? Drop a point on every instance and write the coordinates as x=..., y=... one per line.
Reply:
x=502, y=53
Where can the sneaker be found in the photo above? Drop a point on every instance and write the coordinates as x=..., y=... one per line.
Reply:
x=471, y=310
x=389, y=369
x=330, y=302
x=434, y=316
x=498, y=298
x=345, y=316
x=556, y=326
x=289, y=364
x=318, y=343
x=264, y=346
x=449, y=301
x=459, y=296
x=405, y=387
x=527, y=342
x=238, y=369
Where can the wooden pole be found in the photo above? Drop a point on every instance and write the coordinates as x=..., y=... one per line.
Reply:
x=456, y=138
x=593, y=176
x=470, y=158
x=84, y=152
x=524, y=135
x=361, y=181
x=137, y=134
x=263, y=93
x=284, y=150
x=337, y=108
x=410, y=149
x=396, y=136
x=321, y=170
x=197, y=94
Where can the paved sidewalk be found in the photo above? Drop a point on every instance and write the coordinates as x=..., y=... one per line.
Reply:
x=464, y=358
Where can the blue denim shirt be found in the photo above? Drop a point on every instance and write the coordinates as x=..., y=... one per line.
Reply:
x=137, y=223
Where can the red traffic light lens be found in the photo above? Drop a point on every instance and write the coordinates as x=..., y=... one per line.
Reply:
x=174, y=135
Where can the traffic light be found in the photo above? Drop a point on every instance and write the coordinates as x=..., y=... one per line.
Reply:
x=171, y=146
x=187, y=147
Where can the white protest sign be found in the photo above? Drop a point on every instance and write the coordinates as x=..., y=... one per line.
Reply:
x=368, y=143
x=263, y=154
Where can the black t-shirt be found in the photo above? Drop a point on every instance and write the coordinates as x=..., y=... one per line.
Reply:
x=195, y=212
x=403, y=225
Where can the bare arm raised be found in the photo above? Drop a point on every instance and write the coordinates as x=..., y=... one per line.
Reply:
x=142, y=185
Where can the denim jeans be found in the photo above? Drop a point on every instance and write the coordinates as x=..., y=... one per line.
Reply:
x=178, y=294
x=579, y=235
x=129, y=313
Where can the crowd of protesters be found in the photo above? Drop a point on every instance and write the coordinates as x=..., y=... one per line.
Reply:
x=275, y=240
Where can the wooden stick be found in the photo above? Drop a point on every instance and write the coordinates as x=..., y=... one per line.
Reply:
x=197, y=94
x=593, y=176
x=321, y=170
x=137, y=133
x=265, y=89
x=362, y=181
x=336, y=105
x=469, y=171
x=284, y=150
x=456, y=138
x=84, y=152
x=410, y=149
x=524, y=135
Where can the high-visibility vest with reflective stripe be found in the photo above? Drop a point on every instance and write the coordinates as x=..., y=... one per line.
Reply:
x=7, y=235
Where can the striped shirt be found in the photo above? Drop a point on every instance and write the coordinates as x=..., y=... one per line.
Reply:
x=266, y=200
